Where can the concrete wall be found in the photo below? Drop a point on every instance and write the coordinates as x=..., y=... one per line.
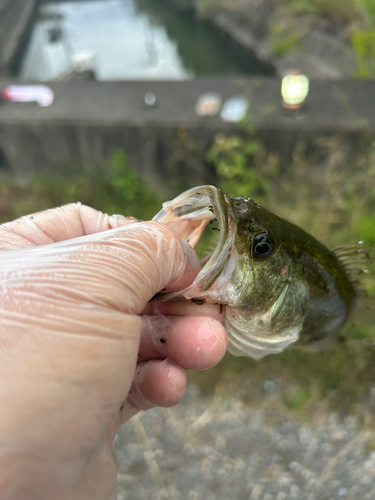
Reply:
x=168, y=144
x=16, y=22
x=158, y=154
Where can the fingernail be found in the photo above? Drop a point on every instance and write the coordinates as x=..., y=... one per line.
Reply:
x=118, y=218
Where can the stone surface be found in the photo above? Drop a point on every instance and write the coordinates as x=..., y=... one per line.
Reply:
x=209, y=448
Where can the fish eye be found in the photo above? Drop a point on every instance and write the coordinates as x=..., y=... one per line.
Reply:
x=262, y=246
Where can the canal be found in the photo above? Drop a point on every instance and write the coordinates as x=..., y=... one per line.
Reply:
x=130, y=40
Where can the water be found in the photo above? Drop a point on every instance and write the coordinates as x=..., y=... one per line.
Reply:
x=130, y=40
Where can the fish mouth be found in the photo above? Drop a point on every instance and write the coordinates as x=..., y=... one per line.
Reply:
x=250, y=333
x=189, y=213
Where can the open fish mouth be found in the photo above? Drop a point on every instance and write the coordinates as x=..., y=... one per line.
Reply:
x=273, y=292
x=249, y=334
x=196, y=207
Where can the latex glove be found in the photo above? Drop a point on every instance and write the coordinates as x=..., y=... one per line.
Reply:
x=77, y=334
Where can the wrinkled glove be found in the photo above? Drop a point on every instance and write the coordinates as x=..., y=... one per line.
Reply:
x=82, y=349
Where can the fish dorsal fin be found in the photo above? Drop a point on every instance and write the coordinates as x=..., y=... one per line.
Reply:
x=355, y=258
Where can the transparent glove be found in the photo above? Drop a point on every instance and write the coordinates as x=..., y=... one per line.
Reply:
x=81, y=347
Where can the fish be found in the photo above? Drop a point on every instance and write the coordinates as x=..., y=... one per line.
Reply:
x=279, y=284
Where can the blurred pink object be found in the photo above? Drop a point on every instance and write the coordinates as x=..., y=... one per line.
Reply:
x=28, y=93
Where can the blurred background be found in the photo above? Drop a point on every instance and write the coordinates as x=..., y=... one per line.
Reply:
x=123, y=104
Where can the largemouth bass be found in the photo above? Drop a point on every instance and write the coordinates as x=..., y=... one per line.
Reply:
x=279, y=284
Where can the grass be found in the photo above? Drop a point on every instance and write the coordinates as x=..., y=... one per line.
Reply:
x=335, y=201
x=121, y=191
x=321, y=192
x=344, y=11
x=340, y=380
x=283, y=44
x=291, y=19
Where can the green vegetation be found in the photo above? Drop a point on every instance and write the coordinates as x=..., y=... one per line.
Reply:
x=336, y=203
x=356, y=19
x=288, y=21
x=363, y=42
x=344, y=11
x=120, y=191
x=284, y=43
x=341, y=196
x=340, y=379
x=319, y=191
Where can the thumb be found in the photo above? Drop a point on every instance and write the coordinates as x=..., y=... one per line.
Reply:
x=120, y=268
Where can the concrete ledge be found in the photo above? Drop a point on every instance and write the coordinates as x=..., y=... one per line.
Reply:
x=331, y=105
x=168, y=144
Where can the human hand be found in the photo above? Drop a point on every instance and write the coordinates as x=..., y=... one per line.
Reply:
x=77, y=334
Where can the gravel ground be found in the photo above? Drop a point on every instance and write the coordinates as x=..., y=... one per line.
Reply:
x=215, y=449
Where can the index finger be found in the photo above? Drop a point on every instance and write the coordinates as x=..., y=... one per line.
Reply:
x=57, y=224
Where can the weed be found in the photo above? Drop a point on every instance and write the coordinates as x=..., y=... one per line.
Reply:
x=283, y=44
x=120, y=190
x=334, y=201
x=363, y=43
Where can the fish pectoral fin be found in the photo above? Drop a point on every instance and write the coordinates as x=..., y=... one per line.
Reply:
x=254, y=336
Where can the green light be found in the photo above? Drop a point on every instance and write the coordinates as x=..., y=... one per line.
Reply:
x=294, y=90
